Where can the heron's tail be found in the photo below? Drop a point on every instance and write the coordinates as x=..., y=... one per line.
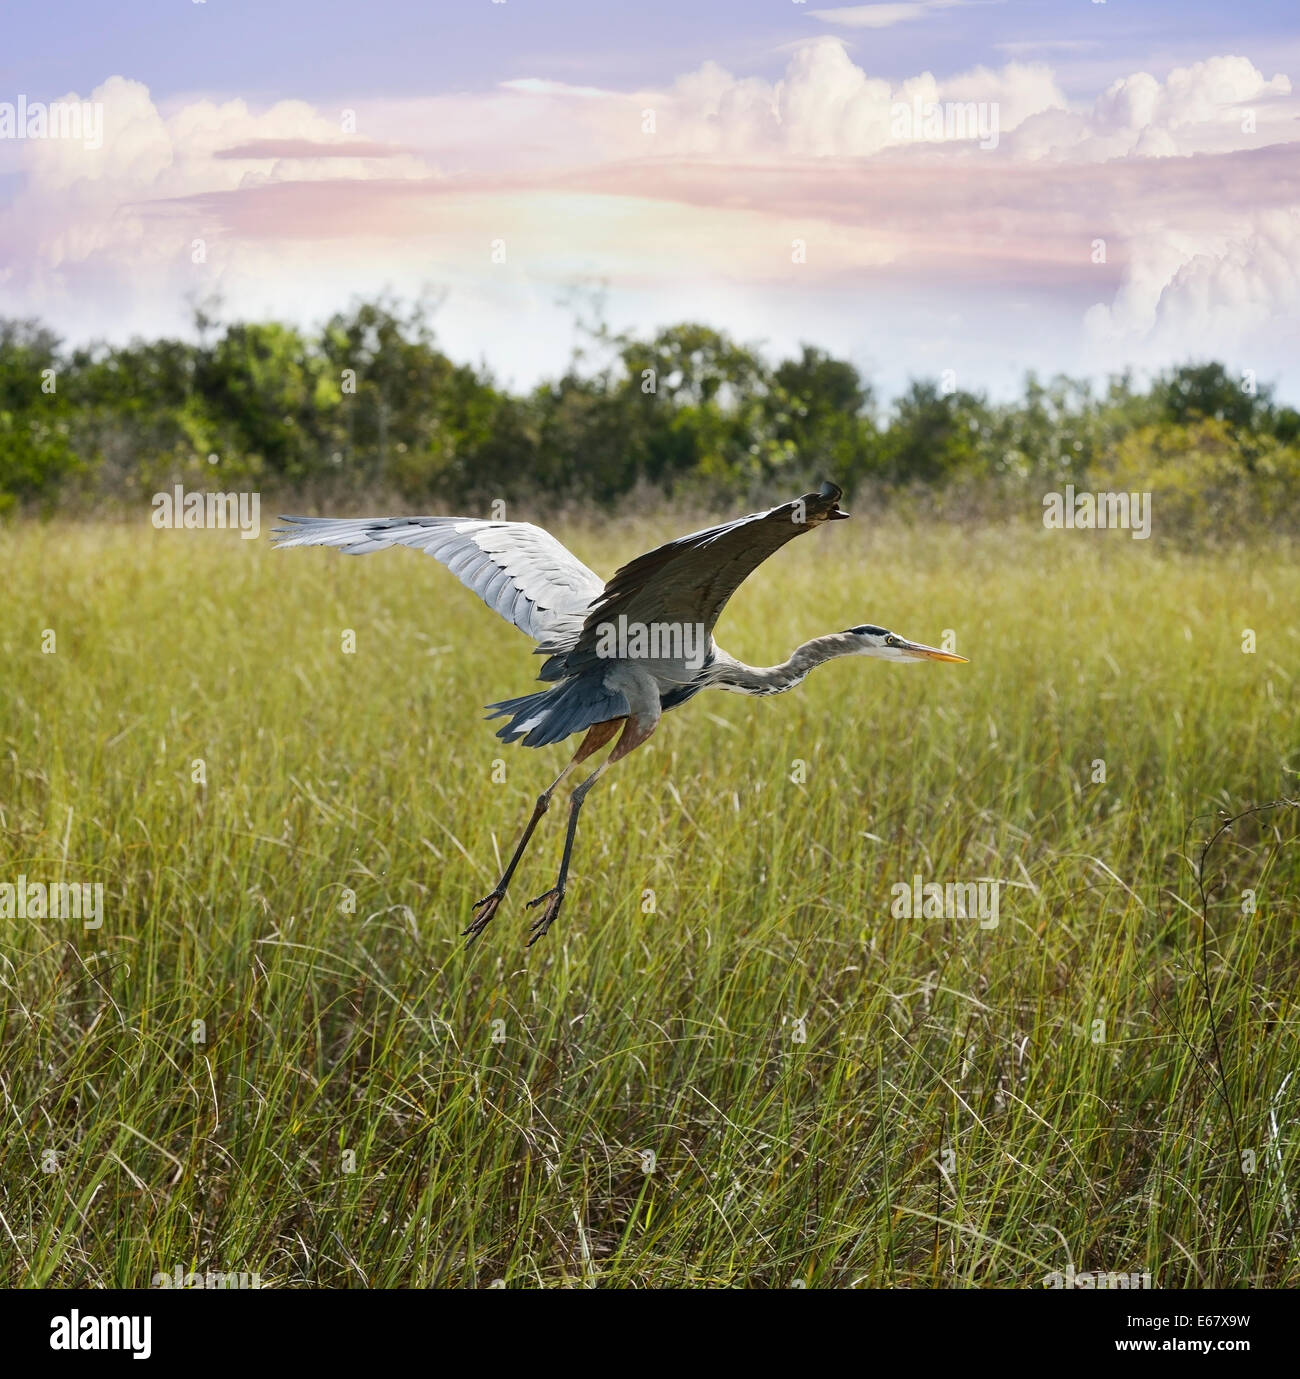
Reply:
x=552, y=714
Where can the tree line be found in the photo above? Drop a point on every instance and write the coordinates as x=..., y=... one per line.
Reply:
x=369, y=405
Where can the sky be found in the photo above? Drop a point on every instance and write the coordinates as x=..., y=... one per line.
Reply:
x=969, y=188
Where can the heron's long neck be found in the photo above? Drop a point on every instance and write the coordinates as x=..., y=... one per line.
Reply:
x=735, y=675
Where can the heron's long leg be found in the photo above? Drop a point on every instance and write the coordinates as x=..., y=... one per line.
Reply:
x=596, y=738
x=634, y=734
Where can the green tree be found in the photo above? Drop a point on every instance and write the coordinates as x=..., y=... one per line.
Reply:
x=934, y=436
x=820, y=410
x=36, y=450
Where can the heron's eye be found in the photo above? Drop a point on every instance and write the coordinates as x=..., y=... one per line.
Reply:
x=891, y=640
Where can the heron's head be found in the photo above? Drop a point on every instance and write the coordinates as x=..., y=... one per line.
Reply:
x=889, y=646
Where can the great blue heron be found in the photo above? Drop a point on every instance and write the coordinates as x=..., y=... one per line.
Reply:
x=618, y=653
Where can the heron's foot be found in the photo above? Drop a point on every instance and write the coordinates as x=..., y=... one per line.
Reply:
x=554, y=898
x=489, y=906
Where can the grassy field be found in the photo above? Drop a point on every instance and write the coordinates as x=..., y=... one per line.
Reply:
x=730, y=1063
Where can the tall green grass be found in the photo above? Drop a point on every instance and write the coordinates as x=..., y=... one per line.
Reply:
x=729, y=1063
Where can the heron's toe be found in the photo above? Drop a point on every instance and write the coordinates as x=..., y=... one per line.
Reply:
x=489, y=906
x=554, y=899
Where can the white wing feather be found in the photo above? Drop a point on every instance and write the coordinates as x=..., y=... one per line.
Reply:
x=518, y=570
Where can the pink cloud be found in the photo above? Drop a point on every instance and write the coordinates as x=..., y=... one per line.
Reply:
x=1192, y=183
x=309, y=148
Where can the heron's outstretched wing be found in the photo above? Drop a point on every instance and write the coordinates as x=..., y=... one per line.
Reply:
x=689, y=581
x=519, y=570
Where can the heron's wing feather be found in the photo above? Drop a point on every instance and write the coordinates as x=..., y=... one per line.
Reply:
x=689, y=580
x=519, y=570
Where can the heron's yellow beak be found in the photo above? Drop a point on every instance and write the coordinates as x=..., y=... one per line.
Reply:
x=929, y=653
